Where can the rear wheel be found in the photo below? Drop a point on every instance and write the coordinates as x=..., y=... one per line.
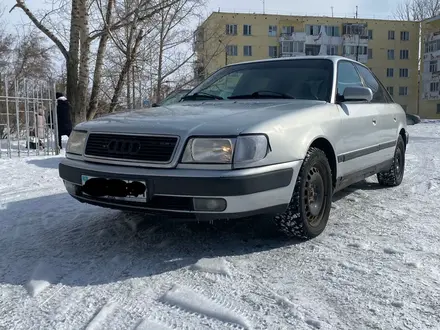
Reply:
x=394, y=176
x=309, y=209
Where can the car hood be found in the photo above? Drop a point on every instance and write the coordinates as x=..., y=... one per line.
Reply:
x=197, y=118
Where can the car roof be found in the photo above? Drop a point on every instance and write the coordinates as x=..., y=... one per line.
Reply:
x=305, y=57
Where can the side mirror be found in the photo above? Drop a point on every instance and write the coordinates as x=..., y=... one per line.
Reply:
x=154, y=105
x=357, y=93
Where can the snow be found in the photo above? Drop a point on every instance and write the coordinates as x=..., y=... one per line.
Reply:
x=67, y=265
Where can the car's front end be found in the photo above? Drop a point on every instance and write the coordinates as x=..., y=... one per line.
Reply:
x=193, y=177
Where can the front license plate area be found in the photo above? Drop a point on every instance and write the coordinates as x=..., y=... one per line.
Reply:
x=115, y=189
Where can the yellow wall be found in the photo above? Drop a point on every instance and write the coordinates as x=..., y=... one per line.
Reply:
x=260, y=42
x=428, y=108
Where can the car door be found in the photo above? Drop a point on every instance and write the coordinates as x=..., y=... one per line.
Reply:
x=359, y=129
x=387, y=122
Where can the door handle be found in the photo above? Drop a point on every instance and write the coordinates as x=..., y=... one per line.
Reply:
x=395, y=119
x=374, y=122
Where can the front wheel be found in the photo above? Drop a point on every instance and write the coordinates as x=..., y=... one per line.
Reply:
x=394, y=176
x=309, y=209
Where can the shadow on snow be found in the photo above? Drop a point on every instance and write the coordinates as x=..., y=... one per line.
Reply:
x=78, y=244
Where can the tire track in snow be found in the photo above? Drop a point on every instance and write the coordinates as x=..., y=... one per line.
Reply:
x=194, y=302
x=99, y=318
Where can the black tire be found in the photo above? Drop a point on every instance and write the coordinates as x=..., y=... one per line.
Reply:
x=394, y=176
x=307, y=217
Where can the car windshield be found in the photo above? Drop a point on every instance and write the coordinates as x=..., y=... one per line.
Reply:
x=174, y=97
x=309, y=79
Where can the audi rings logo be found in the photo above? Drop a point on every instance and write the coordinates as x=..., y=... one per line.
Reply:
x=123, y=147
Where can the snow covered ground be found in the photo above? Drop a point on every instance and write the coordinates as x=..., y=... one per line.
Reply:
x=66, y=265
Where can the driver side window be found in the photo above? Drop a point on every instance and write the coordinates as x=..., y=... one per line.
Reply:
x=347, y=77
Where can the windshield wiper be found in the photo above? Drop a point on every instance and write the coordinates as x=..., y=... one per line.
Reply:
x=201, y=94
x=260, y=94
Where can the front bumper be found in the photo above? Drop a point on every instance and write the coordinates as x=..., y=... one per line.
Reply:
x=263, y=190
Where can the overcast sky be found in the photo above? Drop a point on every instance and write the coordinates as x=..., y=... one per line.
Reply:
x=345, y=8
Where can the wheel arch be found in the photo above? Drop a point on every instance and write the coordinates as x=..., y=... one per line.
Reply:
x=325, y=145
x=403, y=133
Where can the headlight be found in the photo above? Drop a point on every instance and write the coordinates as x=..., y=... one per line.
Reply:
x=250, y=148
x=244, y=149
x=76, y=142
x=206, y=150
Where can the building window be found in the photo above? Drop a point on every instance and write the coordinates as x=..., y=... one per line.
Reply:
x=231, y=29
x=313, y=49
x=370, y=53
x=247, y=50
x=332, y=50
x=390, y=90
x=272, y=30
x=312, y=30
x=404, y=54
x=432, y=46
x=403, y=91
x=273, y=51
x=404, y=35
x=403, y=73
x=433, y=66
x=438, y=108
x=390, y=72
x=391, y=35
x=351, y=50
x=332, y=31
x=391, y=54
x=370, y=34
x=293, y=47
x=247, y=30
x=433, y=87
x=288, y=30
x=232, y=50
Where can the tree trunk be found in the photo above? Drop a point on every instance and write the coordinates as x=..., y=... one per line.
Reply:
x=159, y=71
x=97, y=75
x=125, y=71
x=84, y=68
x=72, y=62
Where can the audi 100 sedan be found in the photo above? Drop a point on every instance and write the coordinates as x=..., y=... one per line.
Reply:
x=274, y=137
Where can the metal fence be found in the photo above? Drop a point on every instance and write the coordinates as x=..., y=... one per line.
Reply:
x=28, y=118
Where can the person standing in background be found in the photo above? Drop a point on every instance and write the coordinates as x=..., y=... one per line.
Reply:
x=63, y=117
x=41, y=121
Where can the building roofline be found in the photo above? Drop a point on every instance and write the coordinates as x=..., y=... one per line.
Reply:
x=431, y=19
x=311, y=16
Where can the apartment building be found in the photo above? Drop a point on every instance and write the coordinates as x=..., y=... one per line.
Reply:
x=429, y=106
x=389, y=48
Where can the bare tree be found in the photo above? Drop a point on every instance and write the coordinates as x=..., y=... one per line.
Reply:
x=174, y=39
x=81, y=36
x=417, y=10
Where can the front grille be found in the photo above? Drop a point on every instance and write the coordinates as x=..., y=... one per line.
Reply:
x=158, y=149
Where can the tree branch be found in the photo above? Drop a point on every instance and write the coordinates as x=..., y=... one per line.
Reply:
x=41, y=27
x=126, y=21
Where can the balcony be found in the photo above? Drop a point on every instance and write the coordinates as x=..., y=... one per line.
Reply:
x=363, y=58
x=354, y=40
x=321, y=39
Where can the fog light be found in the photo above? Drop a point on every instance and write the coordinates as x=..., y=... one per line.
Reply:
x=209, y=204
x=71, y=188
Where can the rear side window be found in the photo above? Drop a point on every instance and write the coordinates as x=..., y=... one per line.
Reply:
x=347, y=77
x=379, y=93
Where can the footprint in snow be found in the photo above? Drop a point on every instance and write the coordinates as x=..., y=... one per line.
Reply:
x=314, y=323
x=397, y=304
x=391, y=251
